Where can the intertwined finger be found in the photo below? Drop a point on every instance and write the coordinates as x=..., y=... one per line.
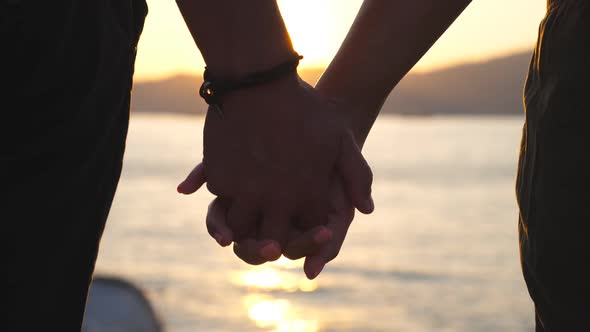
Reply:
x=276, y=221
x=357, y=175
x=242, y=218
x=314, y=264
x=339, y=220
x=314, y=211
x=216, y=222
x=257, y=252
x=307, y=243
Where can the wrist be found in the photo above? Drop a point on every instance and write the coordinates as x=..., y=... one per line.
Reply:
x=241, y=63
x=358, y=116
x=256, y=39
x=215, y=88
x=275, y=90
x=237, y=37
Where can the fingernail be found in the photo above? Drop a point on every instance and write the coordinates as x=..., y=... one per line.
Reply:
x=322, y=236
x=315, y=270
x=181, y=189
x=270, y=251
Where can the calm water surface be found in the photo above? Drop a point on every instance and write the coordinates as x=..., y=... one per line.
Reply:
x=440, y=252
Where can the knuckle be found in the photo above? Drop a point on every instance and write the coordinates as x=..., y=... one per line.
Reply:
x=210, y=228
x=292, y=255
x=242, y=252
x=252, y=260
x=238, y=251
x=214, y=189
x=219, y=184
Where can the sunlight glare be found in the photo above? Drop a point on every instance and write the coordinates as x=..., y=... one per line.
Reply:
x=308, y=38
x=271, y=279
x=286, y=263
x=278, y=314
x=267, y=279
x=267, y=313
x=317, y=29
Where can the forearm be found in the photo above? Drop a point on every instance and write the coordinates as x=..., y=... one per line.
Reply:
x=386, y=40
x=237, y=37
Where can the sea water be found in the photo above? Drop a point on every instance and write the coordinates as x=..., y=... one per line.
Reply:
x=439, y=253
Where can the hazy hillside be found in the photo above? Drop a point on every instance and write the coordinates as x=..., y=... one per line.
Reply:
x=493, y=87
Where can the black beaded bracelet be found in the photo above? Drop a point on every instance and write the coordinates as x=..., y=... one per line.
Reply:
x=213, y=90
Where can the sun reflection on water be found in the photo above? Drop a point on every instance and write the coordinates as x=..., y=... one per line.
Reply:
x=279, y=314
x=275, y=276
x=286, y=263
x=268, y=311
x=271, y=279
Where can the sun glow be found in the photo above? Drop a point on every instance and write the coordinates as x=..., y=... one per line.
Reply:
x=314, y=27
x=317, y=28
x=263, y=303
x=276, y=276
x=267, y=312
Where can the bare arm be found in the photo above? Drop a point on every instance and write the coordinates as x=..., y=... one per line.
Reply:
x=275, y=150
x=237, y=37
x=386, y=40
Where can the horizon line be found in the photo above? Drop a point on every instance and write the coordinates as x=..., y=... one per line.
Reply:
x=309, y=68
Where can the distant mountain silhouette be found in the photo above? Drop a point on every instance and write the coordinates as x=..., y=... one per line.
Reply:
x=491, y=87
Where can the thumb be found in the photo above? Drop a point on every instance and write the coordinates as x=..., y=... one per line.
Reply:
x=357, y=175
x=193, y=181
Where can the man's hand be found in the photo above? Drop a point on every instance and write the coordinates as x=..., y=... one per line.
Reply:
x=273, y=154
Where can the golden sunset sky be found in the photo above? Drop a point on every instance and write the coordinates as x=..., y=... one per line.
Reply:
x=488, y=28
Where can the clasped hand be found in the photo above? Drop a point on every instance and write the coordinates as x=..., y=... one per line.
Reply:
x=287, y=172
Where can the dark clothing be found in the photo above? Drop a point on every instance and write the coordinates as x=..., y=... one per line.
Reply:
x=553, y=185
x=67, y=71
